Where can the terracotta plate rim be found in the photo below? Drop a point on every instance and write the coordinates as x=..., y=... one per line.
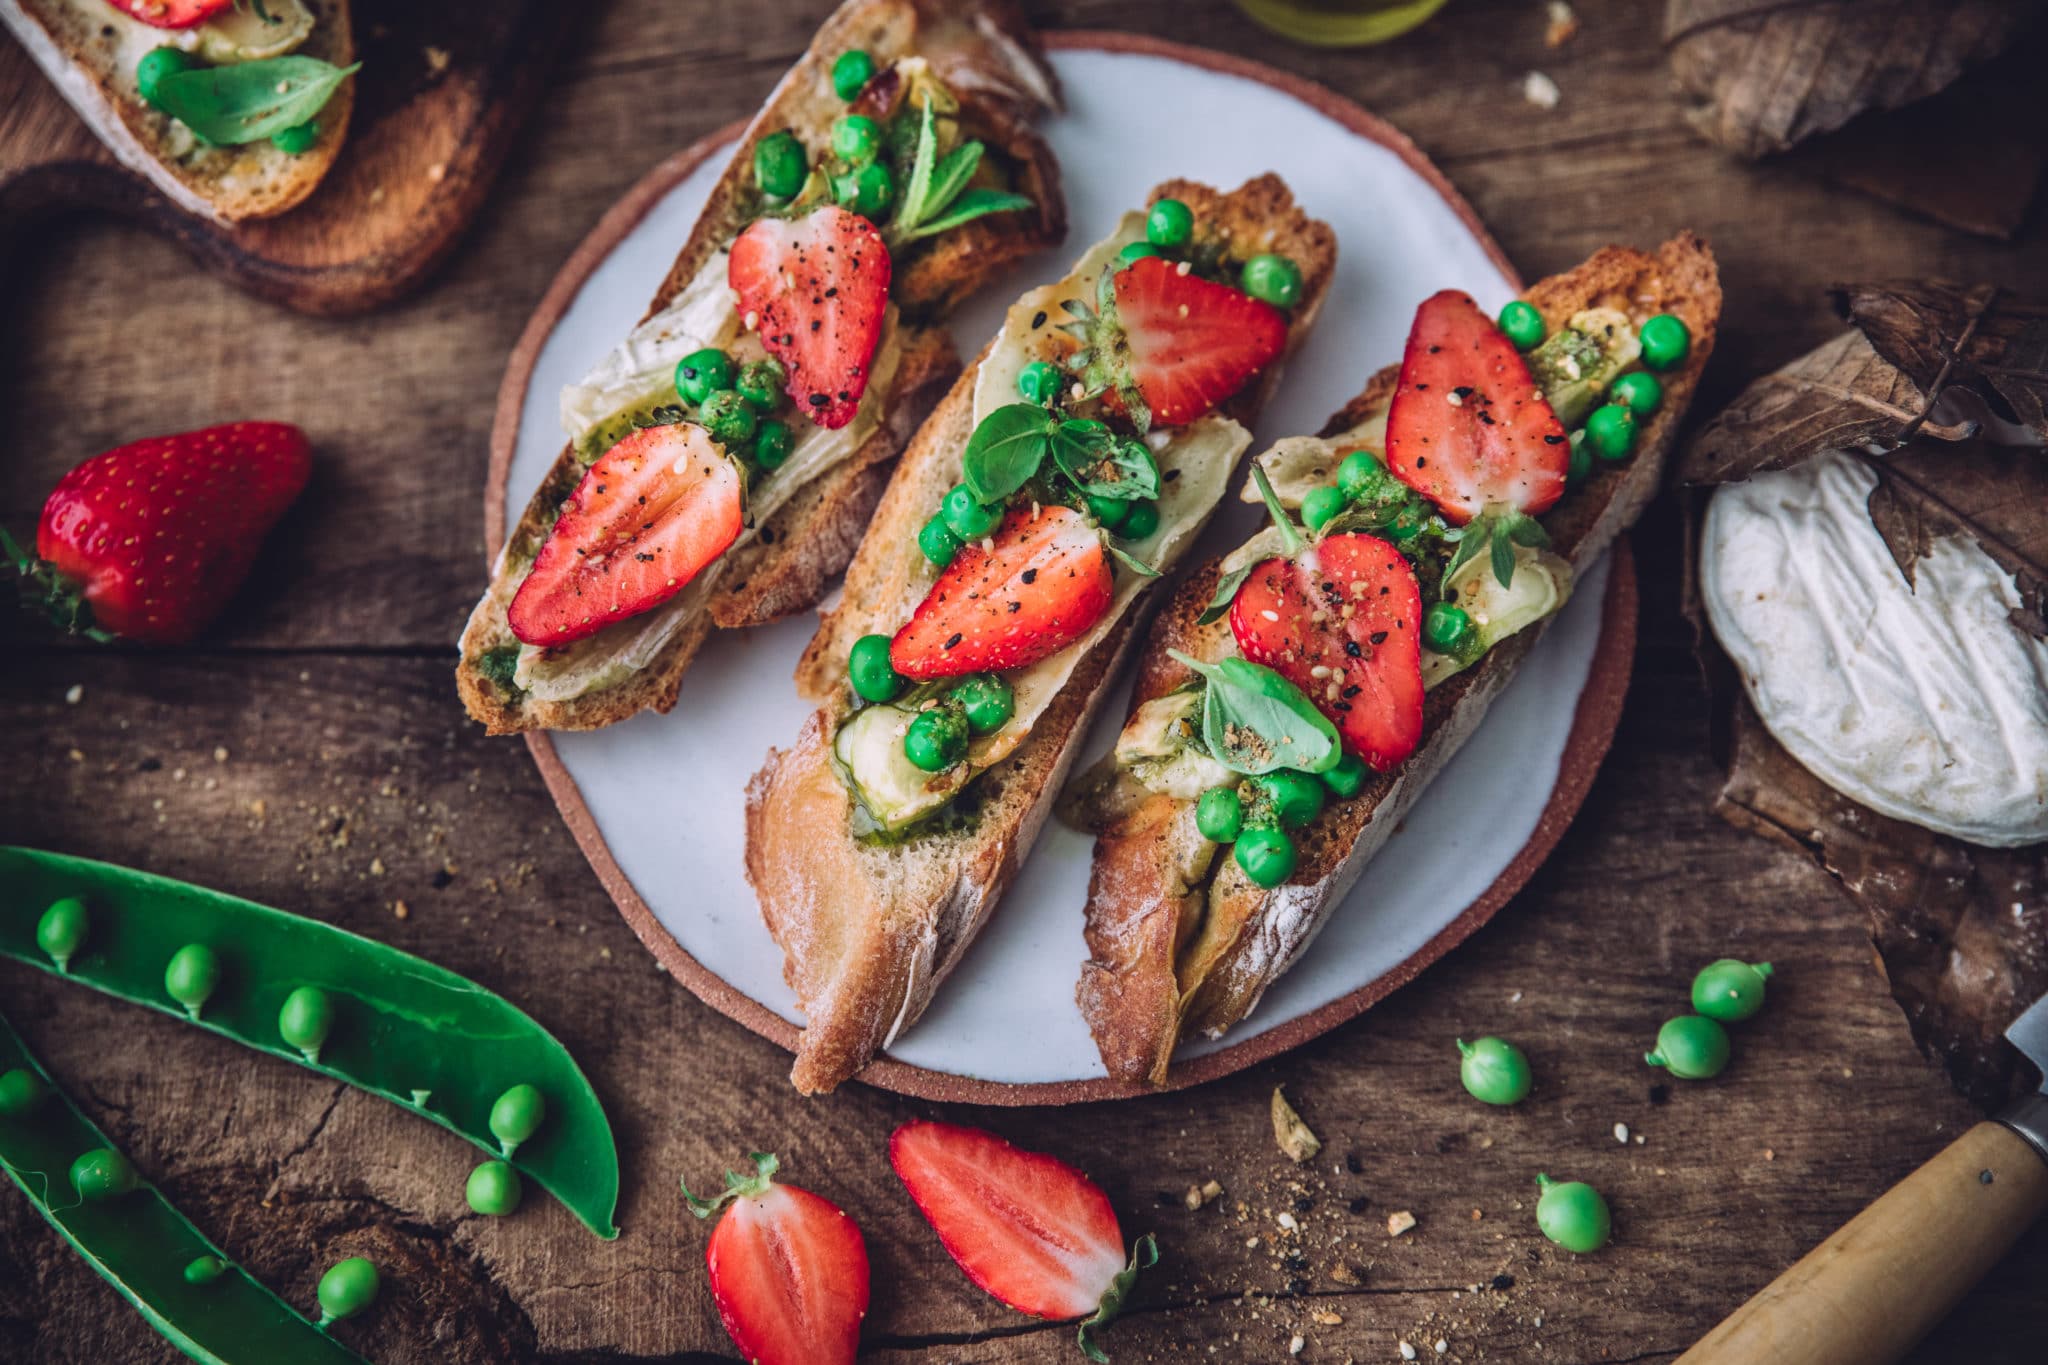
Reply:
x=1593, y=721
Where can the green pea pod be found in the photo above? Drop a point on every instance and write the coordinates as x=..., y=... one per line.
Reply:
x=416, y=1034
x=141, y=1245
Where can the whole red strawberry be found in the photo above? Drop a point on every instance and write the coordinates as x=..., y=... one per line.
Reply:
x=149, y=541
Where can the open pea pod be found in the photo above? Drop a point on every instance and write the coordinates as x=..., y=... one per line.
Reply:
x=418, y=1035
x=141, y=1245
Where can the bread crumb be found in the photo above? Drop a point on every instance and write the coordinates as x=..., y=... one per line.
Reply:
x=1621, y=1132
x=1345, y=1273
x=74, y=694
x=1541, y=91
x=1295, y=1344
x=399, y=909
x=437, y=59
x=1294, y=1137
x=1563, y=25
x=1407, y=1351
x=1398, y=1223
x=1323, y=1317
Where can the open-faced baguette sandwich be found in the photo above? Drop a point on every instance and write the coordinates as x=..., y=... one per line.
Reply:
x=986, y=612
x=233, y=109
x=723, y=460
x=1294, y=698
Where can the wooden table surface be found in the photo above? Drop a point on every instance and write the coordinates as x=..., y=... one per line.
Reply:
x=311, y=754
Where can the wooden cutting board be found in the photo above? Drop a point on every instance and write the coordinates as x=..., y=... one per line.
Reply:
x=443, y=89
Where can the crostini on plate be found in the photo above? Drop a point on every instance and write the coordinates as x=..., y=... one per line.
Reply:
x=1007, y=570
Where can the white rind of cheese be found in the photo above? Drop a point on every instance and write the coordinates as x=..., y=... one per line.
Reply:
x=1924, y=703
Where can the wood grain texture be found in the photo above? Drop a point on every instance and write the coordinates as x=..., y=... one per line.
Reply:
x=330, y=692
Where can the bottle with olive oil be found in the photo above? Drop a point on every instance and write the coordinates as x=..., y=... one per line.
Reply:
x=1340, y=23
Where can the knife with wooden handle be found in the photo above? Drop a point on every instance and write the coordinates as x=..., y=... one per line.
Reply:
x=1866, y=1294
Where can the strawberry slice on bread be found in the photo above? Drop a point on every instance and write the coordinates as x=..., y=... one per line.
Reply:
x=1469, y=427
x=1027, y=1227
x=171, y=13
x=815, y=288
x=1184, y=344
x=645, y=520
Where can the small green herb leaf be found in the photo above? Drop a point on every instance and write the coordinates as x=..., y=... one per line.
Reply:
x=975, y=203
x=1226, y=593
x=1135, y=565
x=1103, y=464
x=1255, y=721
x=248, y=101
x=936, y=197
x=1503, y=556
x=1006, y=450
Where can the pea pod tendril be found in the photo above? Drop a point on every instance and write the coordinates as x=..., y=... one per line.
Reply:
x=400, y=1027
x=185, y=1287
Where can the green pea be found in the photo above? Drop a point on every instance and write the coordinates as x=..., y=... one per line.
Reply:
x=729, y=418
x=856, y=138
x=1691, y=1047
x=1360, y=474
x=703, y=373
x=851, y=74
x=1347, y=779
x=1322, y=505
x=306, y=1019
x=1407, y=524
x=936, y=739
x=1141, y=521
x=1219, y=815
x=61, y=931
x=156, y=64
x=772, y=442
x=1447, y=629
x=988, y=702
x=204, y=1269
x=1266, y=856
x=1572, y=1214
x=780, y=166
x=1611, y=431
x=516, y=1116
x=1111, y=512
x=1169, y=224
x=965, y=516
x=868, y=668
x=103, y=1174
x=21, y=1090
x=191, y=976
x=1297, y=797
x=494, y=1189
x=937, y=541
x=868, y=191
x=1730, y=990
x=297, y=139
x=1522, y=325
x=760, y=383
x=1274, y=279
x=1638, y=391
x=1666, y=340
x=1040, y=382
x=1138, y=251
x=1494, y=1071
x=347, y=1288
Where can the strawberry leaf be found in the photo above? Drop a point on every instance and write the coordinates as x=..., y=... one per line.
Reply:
x=1006, y=450
x=1226, y=593
x=1135, y=565
x=737, y=1186
x=1144, y=1255
x=1503, y=556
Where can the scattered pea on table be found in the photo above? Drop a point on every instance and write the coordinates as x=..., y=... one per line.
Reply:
x=494, y=1189
x=1691, y=1047
x=1494, y=1071
x=1573, y=1214
x=1730, y=990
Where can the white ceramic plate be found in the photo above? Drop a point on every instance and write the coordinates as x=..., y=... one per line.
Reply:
x=663, y=793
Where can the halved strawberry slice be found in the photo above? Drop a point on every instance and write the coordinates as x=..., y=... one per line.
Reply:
x=789, y=1270
x=815, y=288
x=651, y=513
x=171, y=13
x=1343, y=622
x=1043, y=584
x=1469, y=427
x=1189, y=344
x=1026, y=1227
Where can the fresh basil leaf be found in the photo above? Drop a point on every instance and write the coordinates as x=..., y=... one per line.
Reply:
x=1472, y=539
x=1006, y=450
x=248, y=101
x=1226, y=593
x=1255, y=721
x=1135, y=565
x=1526, y=530
x=1102, y=464
x=975, y=203
x=1503, y=556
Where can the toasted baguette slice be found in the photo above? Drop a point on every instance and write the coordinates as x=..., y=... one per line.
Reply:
x=1179, y=939
x=89, y=50
x=868, y=930
x=990, y=59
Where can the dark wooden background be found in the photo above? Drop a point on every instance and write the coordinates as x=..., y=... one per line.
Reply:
x=311, y=754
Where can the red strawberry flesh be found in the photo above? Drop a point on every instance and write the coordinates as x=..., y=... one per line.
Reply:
x=1043, y=584
x=1026, y=1227
x=1469, y=428
x=1343, y=622
x=815, y=289
x=647, y=517
x=1193, y=343
x=171, y=13
x=789, y=1273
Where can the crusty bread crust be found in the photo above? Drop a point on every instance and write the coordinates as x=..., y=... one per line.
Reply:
x=1170, y=955
x=990, y=58
x=868, y=931
x=226, y=184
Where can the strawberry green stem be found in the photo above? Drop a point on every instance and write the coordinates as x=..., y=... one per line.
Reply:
x=1290, y=538
x=737, y=1186
x=44, y=589
x=1144, y=1255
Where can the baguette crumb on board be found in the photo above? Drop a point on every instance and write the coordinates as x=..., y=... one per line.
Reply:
x=991, y=59
x=868, y=932
x=1179, y=940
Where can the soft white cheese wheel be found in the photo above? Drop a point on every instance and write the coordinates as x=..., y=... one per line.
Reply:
x=1924, y=703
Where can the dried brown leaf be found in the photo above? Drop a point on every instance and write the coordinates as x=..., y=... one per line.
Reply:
x=1290, y=1132
x=1768, y=73
x=1941, y=334
x=1996, y=496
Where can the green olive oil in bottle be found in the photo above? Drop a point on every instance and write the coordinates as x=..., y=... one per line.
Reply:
x=1340, y=23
